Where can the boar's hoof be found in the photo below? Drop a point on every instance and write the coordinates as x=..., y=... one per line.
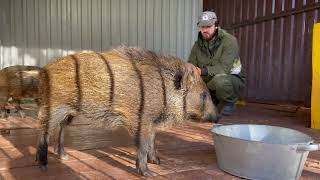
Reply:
x=61, y=156
x=217, y=119
x=145, y=173
x=64, y=156
x=3, y=115
x=154, y=160
x=43, y=168
x=143, y=169
x=22, y=114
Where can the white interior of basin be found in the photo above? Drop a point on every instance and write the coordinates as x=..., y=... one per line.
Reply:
x=263, y=133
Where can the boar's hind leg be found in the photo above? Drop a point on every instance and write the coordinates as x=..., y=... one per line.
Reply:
x=144, y=141
x=42, y=150
x=3, y=113
x=59, y=138
x=18, y=107
x=3, y=110
x=152, y=156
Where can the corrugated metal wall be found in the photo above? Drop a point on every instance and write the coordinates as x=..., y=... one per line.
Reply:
x=34, y=31
x=275, y=38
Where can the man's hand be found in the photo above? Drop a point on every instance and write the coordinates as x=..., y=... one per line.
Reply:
x=198, y=71
x=193, y=68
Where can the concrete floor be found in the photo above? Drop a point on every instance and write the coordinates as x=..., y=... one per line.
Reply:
x=186, y=152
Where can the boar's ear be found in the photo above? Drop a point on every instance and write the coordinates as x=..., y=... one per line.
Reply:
x=184, y=80
x=189, y=77
x=178, y=80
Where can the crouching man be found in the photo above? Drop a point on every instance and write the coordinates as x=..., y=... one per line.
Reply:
x=216, y=56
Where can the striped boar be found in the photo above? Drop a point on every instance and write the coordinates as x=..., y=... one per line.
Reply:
x=18, y=82
x=129, y=87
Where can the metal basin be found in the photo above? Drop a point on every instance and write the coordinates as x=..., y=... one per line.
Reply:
x=261, y=151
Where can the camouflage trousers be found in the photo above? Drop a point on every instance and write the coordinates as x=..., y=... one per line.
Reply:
x=225, y=88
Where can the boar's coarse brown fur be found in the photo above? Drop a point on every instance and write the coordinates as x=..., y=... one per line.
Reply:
x=18, y=82
x=129, y=87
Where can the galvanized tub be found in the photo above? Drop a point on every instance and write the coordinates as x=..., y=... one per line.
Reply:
x=261, y=151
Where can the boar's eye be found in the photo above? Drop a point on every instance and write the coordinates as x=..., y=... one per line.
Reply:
x=203, y=96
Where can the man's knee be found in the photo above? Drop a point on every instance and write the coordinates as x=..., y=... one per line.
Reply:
x=223, y=87
x=222, y=82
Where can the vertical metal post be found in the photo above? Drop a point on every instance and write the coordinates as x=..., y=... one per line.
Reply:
x=315, y=96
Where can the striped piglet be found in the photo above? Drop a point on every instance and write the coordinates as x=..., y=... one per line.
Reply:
x=18, y=82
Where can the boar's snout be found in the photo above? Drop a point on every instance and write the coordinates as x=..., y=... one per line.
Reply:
x=210, y=112
x=212, y=118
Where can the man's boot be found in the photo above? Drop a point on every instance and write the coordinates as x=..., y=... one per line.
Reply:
x=227, y=109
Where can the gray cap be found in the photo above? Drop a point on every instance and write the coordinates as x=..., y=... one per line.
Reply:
x=207, y=18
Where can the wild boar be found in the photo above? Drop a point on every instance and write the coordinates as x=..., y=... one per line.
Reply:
x=18, y=82
x=129, y=87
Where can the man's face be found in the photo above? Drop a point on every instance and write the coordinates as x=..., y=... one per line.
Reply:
x=207, y=32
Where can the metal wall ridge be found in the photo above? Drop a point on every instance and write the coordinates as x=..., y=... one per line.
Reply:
x=303, y=9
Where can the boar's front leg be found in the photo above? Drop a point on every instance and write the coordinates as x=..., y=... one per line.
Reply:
x=152, y=153
x=144, y=141
x=59, y=142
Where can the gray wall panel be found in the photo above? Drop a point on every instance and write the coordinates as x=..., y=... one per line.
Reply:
x=85, y=24
x=157, y=43
x=96, y=25
x=115, y=23
x=33, y=32
x=187, y=31
x=105, y=22
x=142, y=23
x=124, y=22
x=149, y=23
x=173, y=26
x=133, y=23
x=180, y=28
x=165, y=27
